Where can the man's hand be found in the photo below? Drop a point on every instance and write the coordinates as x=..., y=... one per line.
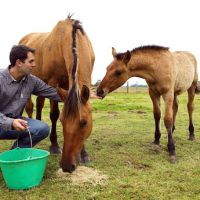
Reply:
x=19, y=125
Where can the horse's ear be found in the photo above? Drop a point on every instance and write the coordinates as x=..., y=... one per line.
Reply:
x=85, y=94
x=127, y=57
x=114, y=53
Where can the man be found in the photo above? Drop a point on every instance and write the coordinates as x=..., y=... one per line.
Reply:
x=16, y=86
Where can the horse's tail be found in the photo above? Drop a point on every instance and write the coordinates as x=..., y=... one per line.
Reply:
x=72, y=101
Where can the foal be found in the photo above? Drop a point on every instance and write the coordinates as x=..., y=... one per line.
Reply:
x=167, y=74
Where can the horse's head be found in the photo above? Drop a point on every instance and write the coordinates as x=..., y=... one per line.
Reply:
x=116, y=75
x=77, y=126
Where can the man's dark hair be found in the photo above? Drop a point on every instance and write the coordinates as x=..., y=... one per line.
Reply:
x=19, y=52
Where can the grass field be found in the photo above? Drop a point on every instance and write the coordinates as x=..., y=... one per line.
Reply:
x=121, y=147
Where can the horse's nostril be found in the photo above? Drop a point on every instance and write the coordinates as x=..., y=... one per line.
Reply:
x=100, y=92
x=69, y=169
x=73, y=167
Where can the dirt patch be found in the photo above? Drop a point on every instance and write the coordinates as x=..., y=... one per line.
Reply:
x=83, y=175
x=154, y=148
x=112, y=114
x=139, y=166
x=137, y=111
x=140, y=112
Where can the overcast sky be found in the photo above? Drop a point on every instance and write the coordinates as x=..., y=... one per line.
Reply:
x=123, y=24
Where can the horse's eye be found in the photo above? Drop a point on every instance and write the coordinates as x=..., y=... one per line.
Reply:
x=118, y=73
x=83, y=123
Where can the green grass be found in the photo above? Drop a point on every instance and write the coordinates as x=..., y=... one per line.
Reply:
x=121, y=147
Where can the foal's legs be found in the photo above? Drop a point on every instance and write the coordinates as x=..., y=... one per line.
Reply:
x=157, y=115
x=190, y=106
x=168, y=120
x=175, y=110
x=54, y=115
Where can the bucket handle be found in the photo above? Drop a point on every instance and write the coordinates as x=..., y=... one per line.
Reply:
x=30, y=142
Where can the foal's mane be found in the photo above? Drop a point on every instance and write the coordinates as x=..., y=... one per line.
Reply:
x=150, y=47
x=72, y=101
x=120, y=56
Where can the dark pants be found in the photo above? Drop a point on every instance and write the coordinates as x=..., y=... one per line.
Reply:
x=38, y=129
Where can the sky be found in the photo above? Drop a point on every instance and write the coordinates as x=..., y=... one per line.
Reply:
x=123, y=24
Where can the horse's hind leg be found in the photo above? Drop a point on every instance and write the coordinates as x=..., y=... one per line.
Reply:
x=190, y=106
x=29, y=108
x=54, y=115
x=175, y=110
x=39, y=107
x=157, y=115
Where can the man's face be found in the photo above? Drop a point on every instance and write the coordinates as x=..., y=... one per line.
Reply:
x=27, y=65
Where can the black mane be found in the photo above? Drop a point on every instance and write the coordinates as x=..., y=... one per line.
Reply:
x=150, y=47
x=73, y=99
x=76, y=23
x=120, y=56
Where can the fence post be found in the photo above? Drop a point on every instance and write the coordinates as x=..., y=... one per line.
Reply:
x=127, y=87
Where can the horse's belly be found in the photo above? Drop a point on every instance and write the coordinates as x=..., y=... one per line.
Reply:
x=184, y=81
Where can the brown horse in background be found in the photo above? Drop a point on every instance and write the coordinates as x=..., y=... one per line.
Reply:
x=64, y=59
x=167, y=74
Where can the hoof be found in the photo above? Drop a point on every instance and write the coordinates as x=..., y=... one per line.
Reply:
x=155, y=147
x=156, y=142
x=191, y=137
x=172, y=159
x=85, y=159
x=55, y=150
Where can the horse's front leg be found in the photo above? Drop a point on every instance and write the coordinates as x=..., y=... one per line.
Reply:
x=157, y=115
x=83, y=156
x=39, y=107
x=54, y=115
x=168, y=120
x=29, y=108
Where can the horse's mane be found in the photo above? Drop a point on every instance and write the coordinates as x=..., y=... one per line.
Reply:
x=150, y=47
x=72, y=101
x=120, y=56
x=76, y=23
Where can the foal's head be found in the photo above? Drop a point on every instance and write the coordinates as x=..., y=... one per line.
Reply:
x=116, y=75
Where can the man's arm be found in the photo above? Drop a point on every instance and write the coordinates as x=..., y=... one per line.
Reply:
x=44, y=90
x=7, y=123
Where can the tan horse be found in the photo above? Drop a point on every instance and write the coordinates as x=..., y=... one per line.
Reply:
x=167, y=74
x=65, y=59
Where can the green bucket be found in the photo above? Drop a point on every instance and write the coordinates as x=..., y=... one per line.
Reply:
x=23, y=168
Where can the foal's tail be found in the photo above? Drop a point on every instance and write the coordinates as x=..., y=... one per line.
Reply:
x=197, y=90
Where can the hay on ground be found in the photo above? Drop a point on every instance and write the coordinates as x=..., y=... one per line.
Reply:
x=83, y=175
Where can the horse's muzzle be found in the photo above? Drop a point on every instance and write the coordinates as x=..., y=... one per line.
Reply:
x=101, y=93
x=68, y=168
